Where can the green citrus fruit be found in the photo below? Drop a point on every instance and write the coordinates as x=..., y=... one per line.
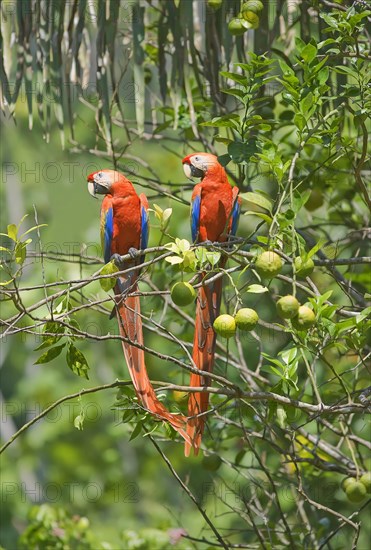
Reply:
x=211, y=462
x=252, y=5
x=268, y=264
x=225, y=326
x=251, y=18
x=315, y=200
x=246, y=318
x=236, y=26
x=183, y=294
x=355, y=491
x=303, y=268
x=214, y=4
x=366, y=480
x=287, y=307
x=179, y=396
x=304, y=319
x=346, y=481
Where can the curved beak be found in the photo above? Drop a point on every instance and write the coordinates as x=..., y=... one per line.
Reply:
x=92, y=188
x=191, y=171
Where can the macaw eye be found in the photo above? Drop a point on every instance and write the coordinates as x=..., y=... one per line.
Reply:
x=100, y=175
x=197, y=159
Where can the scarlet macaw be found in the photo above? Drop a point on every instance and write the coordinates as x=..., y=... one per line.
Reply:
x=124, y=229
x=215, y=212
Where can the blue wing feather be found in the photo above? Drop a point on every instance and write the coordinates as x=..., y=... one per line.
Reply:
x=195, y=216
x=108, y=233
x=144, y=229
x=235, y=216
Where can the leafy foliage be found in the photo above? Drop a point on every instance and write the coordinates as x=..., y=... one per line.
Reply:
x=286, y=111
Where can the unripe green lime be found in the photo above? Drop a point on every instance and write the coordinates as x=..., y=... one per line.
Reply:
x=303, y=268
x=246, y=318
x=211, y=462
x=366, y=480
x=183, y=294
x=287, y=307
x=304, y=319
x=268, y=264
x=356, y=491
x=214, y=4
x=236, y=26
x=252, y=18
x=252, y=5
x=346, y=481
x=225, y=326
x=315, y=200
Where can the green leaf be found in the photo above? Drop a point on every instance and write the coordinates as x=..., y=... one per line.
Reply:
x=159, y=213
x=20, y=251
x=299, y=43
x=239, y=151
x=205, y=256
x=343, y=69
x=167, y=215
x=300, y=121
x=309, y=52
x=323, y=75
x=285, y=68
x=136, y=431
x=55, y=328
x=222, y=139
x=189, y=260
x=306, y=103
x=182, y=244
x=12, y=232
x=236, y=93
x=316, y=247
x=239, y=78
x=257, y=289
x=300, y=199
x=330, y=20
x=174, y=260
x=258, y=199
x=109, y=283
x=33, y=228
x=49, y=355
x=264, y=217
x=76, y=361
x=229, y=121
x=224, y=159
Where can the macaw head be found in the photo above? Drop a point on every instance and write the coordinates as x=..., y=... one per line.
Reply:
x=198, y=165
x=106, y=182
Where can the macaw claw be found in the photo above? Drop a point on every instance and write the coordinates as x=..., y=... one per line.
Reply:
x=133, y=252
x=116, y=258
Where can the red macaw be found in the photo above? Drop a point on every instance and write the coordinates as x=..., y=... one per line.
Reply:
x=124, y=229
x=215, y=212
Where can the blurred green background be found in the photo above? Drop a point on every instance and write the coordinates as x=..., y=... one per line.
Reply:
x=124, y=489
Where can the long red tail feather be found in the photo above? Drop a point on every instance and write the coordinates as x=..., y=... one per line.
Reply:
x=130, y=326
x=208, y=307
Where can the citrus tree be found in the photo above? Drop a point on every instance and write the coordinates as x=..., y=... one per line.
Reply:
x=280, y=92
